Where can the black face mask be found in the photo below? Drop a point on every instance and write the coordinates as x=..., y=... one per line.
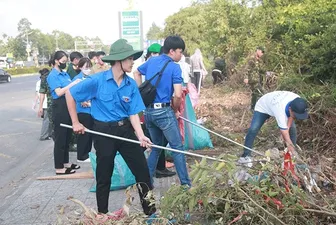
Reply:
x=62, y=66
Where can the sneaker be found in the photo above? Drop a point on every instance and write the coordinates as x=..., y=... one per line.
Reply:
x=164, y=173
x=84, y=161
x=246, y=161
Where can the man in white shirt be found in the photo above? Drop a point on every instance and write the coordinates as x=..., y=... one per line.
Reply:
x=285, y=106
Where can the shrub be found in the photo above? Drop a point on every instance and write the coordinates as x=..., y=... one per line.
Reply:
x=24, y=70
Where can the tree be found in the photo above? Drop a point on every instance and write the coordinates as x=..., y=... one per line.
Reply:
x=24, y=25
x=154, y=32
x=190, y=24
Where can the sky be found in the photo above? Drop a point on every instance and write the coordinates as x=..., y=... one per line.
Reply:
x=89, y=18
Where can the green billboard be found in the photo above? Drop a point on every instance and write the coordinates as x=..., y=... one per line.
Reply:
x=130, y=28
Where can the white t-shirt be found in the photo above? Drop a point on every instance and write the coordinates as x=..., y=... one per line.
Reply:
x=274, y=104
x=185, y=67
x=38, y=84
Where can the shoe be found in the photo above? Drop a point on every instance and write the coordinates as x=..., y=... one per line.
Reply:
x=164, y=173
x=84, y=161
x=67, y=171
x=74, y=167
x=45, y=139
x=149, y=210
x=246, y=161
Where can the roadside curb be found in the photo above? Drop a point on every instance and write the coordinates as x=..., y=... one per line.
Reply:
x=24, y=75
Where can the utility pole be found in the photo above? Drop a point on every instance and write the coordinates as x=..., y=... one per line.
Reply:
x=56, y=38
x=28, y=47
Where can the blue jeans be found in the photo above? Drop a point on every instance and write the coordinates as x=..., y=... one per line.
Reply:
x=162, y=123
x=257, y=121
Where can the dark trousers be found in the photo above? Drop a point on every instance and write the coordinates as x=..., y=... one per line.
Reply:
x=84, y=141
x=162, y=159
x=197, y=78
x=106, y=149
x=62, y=135
x=217, y=77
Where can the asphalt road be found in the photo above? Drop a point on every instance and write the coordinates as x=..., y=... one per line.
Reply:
x=21, y=151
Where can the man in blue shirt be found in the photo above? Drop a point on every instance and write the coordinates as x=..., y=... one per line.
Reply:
x=160, y=117
x=115, y=104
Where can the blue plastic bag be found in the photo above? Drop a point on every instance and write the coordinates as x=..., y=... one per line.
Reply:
x=122, y=176
x=195, y=138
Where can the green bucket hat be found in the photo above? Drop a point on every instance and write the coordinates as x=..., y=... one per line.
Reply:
x=121, y=50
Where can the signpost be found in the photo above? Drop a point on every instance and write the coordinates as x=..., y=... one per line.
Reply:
x=130, y=28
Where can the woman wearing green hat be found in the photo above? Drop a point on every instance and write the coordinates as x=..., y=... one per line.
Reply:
x=115, y=104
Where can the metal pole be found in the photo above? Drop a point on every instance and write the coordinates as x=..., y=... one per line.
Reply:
x=138, y=142
x=219, y=135
x=158, y=146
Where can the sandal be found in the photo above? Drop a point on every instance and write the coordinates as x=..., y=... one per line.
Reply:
x=67, y=171
x=74, y=167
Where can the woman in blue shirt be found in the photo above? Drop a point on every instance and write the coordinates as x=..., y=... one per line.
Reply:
x=84, y=141
x=59, y=82
x=115, y=104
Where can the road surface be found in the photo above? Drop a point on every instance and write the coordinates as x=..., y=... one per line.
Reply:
x=21, y=151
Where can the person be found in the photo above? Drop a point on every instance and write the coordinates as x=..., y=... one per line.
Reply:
x=219, y=72
x=36, y=101
x=46, y=127
x=185, y=67
x=99, y=65
x=254, y=75
x=84, y=141
x=73, y=69
x=115, y=104
x=153, y=50
x=285, y=106
x=161, y=116
x=59, y=82
x=198, y=71
x=161, y=169
x=45, y=94
x=93, y=57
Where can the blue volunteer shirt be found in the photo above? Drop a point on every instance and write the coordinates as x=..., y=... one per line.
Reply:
x=56, y=80
x=171, y=75
x=109, y=103
x=79, y=107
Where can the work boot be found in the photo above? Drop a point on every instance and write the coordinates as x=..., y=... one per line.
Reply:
x=164, y=173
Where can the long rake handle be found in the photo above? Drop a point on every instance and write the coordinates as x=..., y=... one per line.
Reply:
x=219, y=135
x=138, y=142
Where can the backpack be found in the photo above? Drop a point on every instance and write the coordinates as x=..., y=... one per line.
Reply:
x=148, y=90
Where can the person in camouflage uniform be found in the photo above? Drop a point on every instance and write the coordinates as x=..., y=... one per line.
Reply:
x=44, y=91
x=254, y=75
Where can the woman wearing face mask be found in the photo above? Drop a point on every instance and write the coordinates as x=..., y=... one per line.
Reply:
x=59, y=82
x=84, y=141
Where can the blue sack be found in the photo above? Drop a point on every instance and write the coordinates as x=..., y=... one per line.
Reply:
x=122, y=176
x=195, y=138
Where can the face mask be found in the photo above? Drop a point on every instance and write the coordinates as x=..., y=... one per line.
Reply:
x=87, y=71
x=62, y=66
